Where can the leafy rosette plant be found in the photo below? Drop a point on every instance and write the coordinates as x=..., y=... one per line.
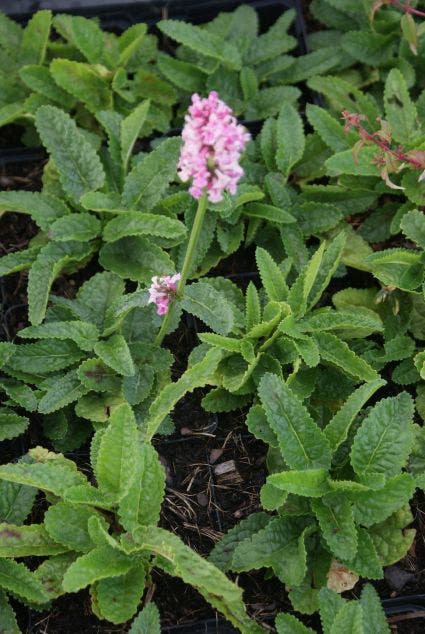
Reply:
x=70, y=62
x=75, y=217
x=338, y=615
x=281, y=330
x=340, y=492
x=373, y=36
x=251, y=71
x=104, y=536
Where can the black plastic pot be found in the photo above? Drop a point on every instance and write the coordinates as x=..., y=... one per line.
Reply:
x=211, y=626
x=403, y=605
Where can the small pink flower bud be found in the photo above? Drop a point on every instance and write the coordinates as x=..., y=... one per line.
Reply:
x=163, y=291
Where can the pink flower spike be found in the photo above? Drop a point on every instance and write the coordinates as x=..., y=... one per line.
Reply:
x=163, y=291
x=213, y=144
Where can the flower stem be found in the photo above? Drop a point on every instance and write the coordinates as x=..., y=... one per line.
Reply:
x=187, y=264
x=407, y=8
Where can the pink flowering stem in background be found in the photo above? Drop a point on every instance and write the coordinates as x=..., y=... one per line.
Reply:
x=163, y=291
x=213, y=142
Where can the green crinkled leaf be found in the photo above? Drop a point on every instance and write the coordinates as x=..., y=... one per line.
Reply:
x=220, y=400
x=147, y=621
x=200, y=41
x=329, y=128
x=336, y=520
x=179, y=560
x=100, y=563
x=17, y=578
x=272, y=43
x=11, y=424
x=137, y=223
x=259, y=426
x=315, y=218
x=135, y=258
x=87, y=495
x=67, y=524
x=348, y=619
x=308, y=483
x=149, y=179
x=97, y=376
x=252, y=307
x=290, y=139
x=116, y=354
x=366, y=563
x=81, y=227
x=397, y=267
x=346, y=163
x=341, y=320
x=83, y=333
x=116, y=467
x=44, y=357
x=222, y=553
x=368, y=46
x=280, y=545
x=18, y=261
x=43, y=208
x=391, y=538
x=84, y=82
x=7, y=350
x=198, y=375
x=130, y=41
x=330, y=603
x=337, y=352
x=40, y=80
x=400, y=111
x=117, y=598
x=16, y=501
x=35, y=38
x=24, y=541
x=289, y=624
x=98, y=294
x=49, y=262
x=98, y=407
x=374, y=620
x=7, y=616
x=303, y=285
x=80, y=170
x=131, y=127
x=50, y=573
x=271, y=276
x=302, y=443
x=372, y=507
x=209, y=305
x=336, y=431
x=52, y=473
x=66, y=389
x=137, y=388
x=271, y=497
x=183, y=75
x=413, y=226
x=413, y=188
x=141, y=506
x=384, y=440
x=268, y=212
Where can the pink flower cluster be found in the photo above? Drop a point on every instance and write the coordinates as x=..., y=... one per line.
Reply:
x=163, y=291
x=213, y=144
